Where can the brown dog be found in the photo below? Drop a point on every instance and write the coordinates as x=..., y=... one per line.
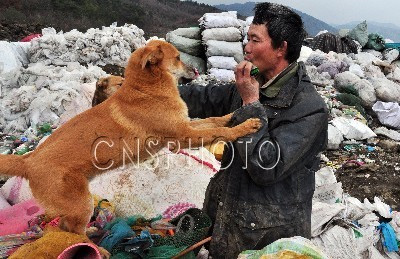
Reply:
x=144, y=115
x=105, y=87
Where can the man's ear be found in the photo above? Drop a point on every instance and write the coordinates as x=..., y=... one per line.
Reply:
x=151, y=55
x=283, y=48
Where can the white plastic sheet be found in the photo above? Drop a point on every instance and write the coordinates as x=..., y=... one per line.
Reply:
x=13, y=55
x=352, y=129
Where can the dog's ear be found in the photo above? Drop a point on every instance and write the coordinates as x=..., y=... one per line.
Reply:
x=102, y=82
x=151, y=55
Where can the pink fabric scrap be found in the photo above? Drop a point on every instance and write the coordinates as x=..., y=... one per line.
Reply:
x=14, y=220
x=31, y=37
x=177, y=209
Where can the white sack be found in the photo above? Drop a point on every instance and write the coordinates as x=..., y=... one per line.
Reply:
x=388, y=113
x=338, y=243
x=221, y=62
x=191, y=32
x=227, y=49
x=321, y=214
x=325, y=176
x=386, y=90
x=328, y=193
x=223, y=75
x=150, y=188
x=230, y=34
x=41, y=94
x=357, y=70
x=189, y=46
x=194, y=62
x=335, y=137
x=304, y=53
x=214, y=21
x=366, y=92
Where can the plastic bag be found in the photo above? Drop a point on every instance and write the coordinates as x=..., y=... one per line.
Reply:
x=360, y=33
x=375, y=41
x=297, y=245
x=388, y=113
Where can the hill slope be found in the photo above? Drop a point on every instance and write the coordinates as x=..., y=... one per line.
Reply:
x=312, y=25
x=155, y=17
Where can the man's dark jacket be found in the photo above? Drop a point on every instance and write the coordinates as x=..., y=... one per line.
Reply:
x=255, y=203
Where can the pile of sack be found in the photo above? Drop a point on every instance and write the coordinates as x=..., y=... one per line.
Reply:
x=222, y=37
x=188, y=42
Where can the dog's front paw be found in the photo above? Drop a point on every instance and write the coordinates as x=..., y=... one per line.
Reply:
x=252, y=125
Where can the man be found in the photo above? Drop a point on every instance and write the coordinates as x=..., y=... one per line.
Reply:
x=264, y=190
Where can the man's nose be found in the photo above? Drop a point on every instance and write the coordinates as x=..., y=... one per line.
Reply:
x=247, y=48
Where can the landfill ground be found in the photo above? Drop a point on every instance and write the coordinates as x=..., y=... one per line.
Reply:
x=379, y=177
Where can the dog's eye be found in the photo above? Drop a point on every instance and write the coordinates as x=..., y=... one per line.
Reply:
x=178, y=58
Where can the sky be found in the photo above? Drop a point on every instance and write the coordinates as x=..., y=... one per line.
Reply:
x=337, y=11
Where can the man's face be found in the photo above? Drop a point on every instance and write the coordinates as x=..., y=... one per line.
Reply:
x=259, y=50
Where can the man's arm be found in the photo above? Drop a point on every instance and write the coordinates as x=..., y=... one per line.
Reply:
x=270, y=156
x=208, y=101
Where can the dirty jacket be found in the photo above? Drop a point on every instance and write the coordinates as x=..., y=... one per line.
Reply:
x=264, y=189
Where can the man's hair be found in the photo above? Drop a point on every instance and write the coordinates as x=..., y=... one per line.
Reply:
x=282, y=24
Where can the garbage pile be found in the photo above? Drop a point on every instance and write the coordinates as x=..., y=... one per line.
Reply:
x=353, y=86
x=361, y=91
x=43, y=93
x=109, y=45
x=53, y=76
x=345, y=227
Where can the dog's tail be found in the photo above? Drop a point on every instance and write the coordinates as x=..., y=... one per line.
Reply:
x=13, y=165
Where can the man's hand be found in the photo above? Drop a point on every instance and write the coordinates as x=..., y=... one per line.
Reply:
x=247, y=85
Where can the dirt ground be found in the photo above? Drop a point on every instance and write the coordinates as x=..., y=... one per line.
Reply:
x=378, y=177
x=17, y=31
